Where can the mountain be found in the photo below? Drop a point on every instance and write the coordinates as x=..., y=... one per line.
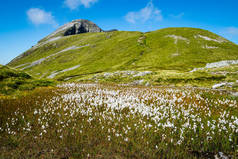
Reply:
x=75, y=27
x=80, y=50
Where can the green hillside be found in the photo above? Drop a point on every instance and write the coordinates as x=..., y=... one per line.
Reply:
x=15, y=82
x=89, y=55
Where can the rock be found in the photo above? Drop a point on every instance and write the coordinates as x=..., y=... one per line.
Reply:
x=217, y=65
x=138, y=82
x=218, y=40
x=141, y=74
x=55, y=73
x=221, y=64
x=111, y=30
x=176, y=38
x=82, y=26
x=76, y=27
x=107, y=75
x=218, y=85
x=69, y=78
x=234, y=94
x=209, y=47
x=141, y=39
x=222, y=84
x=37, y=62
x=147, y=84
x=221, y=155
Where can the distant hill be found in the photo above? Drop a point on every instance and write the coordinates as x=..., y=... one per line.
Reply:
x=84, y=55
x=13, y=81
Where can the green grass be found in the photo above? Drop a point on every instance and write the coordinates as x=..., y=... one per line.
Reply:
x=15, y=82
x=190, y=54
x=203, y=78
x=123, y=50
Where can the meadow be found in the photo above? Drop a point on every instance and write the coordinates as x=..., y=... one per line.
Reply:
x=88, y=120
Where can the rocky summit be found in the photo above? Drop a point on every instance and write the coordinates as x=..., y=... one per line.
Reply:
x=76, y=27
x=81, y=26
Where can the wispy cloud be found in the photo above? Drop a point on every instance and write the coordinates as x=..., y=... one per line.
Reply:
x=150, y=12
x=38, y=16
x=233, y=31
x=178, y=16
x=74, y=4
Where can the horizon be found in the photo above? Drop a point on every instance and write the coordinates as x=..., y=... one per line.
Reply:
x=35, y=20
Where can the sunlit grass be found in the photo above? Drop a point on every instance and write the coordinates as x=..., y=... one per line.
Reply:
x=124, y=50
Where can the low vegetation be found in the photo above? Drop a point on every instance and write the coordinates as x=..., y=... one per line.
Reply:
x=115, y=121
x=15, y=82
x=206, y=78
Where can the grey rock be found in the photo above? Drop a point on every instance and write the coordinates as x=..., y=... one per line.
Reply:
x=221, y=155
x=218, y=40
x=37, y=62
x=76, y=27
x=82, y=26
x=141, y=74
x=22, y=65
x=229, y=84
x=147, y=84
x=112, y=30
x=55, y=73
x=234, y=94
x=138, y=82
x=218, y=85
x=217, y=65
x=176, y=38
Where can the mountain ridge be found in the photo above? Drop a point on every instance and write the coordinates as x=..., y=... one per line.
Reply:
x=181, y=49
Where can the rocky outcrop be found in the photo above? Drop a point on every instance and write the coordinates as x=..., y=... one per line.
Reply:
x=76, y=27
x=217, y=65
x=82, y=26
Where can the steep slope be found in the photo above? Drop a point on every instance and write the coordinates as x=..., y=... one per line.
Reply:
x=76, y=56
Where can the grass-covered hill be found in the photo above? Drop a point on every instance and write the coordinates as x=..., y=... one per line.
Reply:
x=15, y=82
x=91, y=55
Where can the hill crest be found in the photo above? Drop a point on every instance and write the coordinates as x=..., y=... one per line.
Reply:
x=82, y=56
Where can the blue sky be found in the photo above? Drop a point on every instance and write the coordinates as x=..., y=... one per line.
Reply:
x=24, y=22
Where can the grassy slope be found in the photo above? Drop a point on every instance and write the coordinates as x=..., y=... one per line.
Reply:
x=15, y=82
x=190, y=55
x=113, y=51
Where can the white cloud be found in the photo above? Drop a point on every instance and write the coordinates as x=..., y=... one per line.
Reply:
x=150, y=12
x=231, y=31
x=87, y=3
x=74, y=4
x=178, y=16
x=38, y=16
